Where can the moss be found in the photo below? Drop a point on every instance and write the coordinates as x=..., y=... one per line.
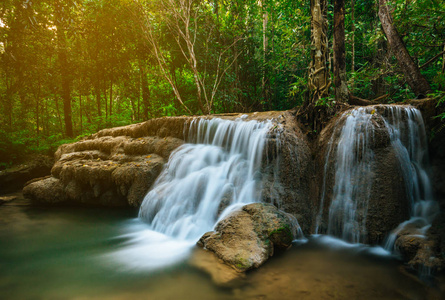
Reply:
x=283, y=234
x=285, y=228
x=242, y=263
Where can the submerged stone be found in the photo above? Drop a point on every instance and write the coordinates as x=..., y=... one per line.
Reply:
x=246, y=238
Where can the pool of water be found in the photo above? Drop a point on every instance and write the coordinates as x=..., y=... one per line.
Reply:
x=71, y=253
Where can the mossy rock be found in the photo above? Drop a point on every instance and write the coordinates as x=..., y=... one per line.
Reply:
x=246, y=238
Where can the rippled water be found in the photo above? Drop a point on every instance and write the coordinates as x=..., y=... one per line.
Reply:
x=64, y=253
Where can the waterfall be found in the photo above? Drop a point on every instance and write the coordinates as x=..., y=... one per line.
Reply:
x=218, y=170
x=408, y=138
x=354, y=176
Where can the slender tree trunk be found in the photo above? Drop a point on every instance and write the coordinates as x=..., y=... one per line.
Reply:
x=9, y=106
x=105, y=97
x=46, y=119
x=353, y=35
x=64, y=70
x=80, y=114
x=414, y=78
x=58, y=114
x=443, y=60
x=87, y=111
x=145, y=92
x=319, y=80
x=265, y=45
x=38, y=115
x=66, y=95
x=341, y=89
x=98, y=100
x=111, y=96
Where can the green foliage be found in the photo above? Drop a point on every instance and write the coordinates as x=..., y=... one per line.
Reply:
x=114, y=78
x=440, y=96
x=328, y=102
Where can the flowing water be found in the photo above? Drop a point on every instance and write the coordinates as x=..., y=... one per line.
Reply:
x=354, y=158
x=353, y=178
x=62, y=253
x=408, y=137
x=203, y=180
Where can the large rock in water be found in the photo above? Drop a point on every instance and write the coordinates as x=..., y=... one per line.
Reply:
x=114, y=167
x=387, y=204
x=110, y=171
x=13, y=179
x=246, y=238
x=288, y=171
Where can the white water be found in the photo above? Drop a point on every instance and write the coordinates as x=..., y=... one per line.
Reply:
x=200, y=182
x=408, y=137
x=354, y=176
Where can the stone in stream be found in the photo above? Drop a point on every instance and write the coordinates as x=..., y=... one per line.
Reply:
x=246, y=238
x=14, y=178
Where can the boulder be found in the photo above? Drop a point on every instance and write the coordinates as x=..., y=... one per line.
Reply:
x=420, y=254
x=14, y=178
x=388, y=205
x=49, y=190
x=288, y=171
x=221, y=274
x=107, y=171
x=246, y=238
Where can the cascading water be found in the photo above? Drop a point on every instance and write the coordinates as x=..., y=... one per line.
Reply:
x=222, y=168
x=353, y=178
x=200, y=182
x=408, y=138
x=354, y=174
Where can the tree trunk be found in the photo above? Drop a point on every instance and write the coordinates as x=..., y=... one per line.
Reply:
x=414, y=78
x=66, y=95
x=64, y=70
x=9, y=106
x=38, y=111
x=111, y=96
x=98, y=100
x=265, y=45
x=341, y=89
x=145, y=94
x=106, y=99
x=80, y=114
x=353, y=35
x=443, y=60
x=38, y=117
x=318, y=80
x=59, y=118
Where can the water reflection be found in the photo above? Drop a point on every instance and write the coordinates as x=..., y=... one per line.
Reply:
x=66, y=253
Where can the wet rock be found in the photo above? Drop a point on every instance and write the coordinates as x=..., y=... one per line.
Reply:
x=288, y=171
x=420, y=251
x=246, y=238
x=7, y=199
x=14, y=178
x=387, y=205
x=408, y=245
x=107, y=171
x=50, y=191
x=221, y=274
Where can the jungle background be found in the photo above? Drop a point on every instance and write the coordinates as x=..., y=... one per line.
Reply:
x=70, y=68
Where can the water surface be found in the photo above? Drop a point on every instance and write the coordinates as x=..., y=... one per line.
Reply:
x=67, y=253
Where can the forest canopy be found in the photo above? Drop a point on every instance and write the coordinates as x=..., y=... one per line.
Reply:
x=69, y=68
